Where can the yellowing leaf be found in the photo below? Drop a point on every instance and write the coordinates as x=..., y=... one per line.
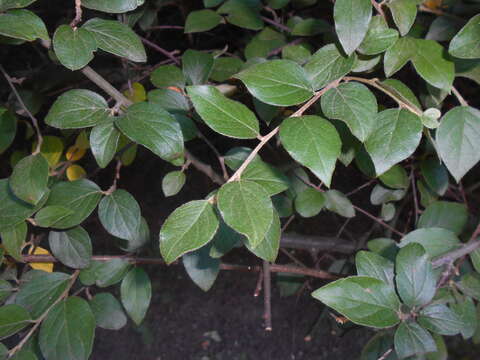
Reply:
x=52, y=148
x=128, y=156
x=82, y=141
x=74, y=153
x=433, y=4
x=137, y=93
x=75, y=172
x=48, y=267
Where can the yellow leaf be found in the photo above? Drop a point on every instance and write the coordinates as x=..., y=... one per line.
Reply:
x=52, y=149
x=137, y=93
x=48, y=267
x=75, y=172
x=74, y=153
x=433, y=4
x=82, y=141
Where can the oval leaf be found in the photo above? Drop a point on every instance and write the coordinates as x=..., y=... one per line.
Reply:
x=72, y=247
x=352, y=18
x=136, y=292
x=29, y=179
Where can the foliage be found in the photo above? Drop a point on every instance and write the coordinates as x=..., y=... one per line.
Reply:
x=373, y=85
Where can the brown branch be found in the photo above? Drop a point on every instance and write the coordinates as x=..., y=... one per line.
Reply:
x=204, y=168
x=78, y=14
x=378, y=220
x=276, y=24
x=105, y=86
x=168, y=54
x=378, y=8
x=267, y=295
x=459, y=96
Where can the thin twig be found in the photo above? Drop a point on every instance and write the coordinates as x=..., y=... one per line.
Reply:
x=459, y=96
x=78, y=14
x=354, y=191
x=169, y=54
x=116, y=177
x=204, y=168
x=105, y=86
x=217, y=154
x=415, y=198
x=276, y=24
x=258, y=287
x=381, y=222
x=378, y=7
x=24, y=107
x=267, y=295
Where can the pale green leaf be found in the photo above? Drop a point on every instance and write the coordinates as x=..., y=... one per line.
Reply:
x=352, y=18
x=136, y=293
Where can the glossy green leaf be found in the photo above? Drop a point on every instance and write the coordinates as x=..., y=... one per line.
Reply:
x=277, y=82
x=404, y=13
x=470, y=285
x=465, y=44
x=456, y=140
x=395, y=137
x=440, y=319
x=467, y=314
x=105, y=273
x=13, y=318
x=197, y=66
x=103, y=143
x=381, y=195
x=224, y=240
x=112, y=6
x=74, y=47
x=41, y=291
x=373, y=265
x=119, y=214
x=13, y=4
x=379, y=37
x=188, y=228
x=412, y=339
x=6, y=289
x=301, y=53
x=246, y=207
x=399, y=54
x=310, y=27
x=436, y=241
x=444, y=214
x=244, y=14
x=116, y=38
x=8, y=128
x=338, y=203
x=201, y=267
x=225, y=116
x=268, y=248
x=167, y=75
x=225, y=67
x=68, y=331
x=328, y=64
x=170, y=100
x=401, y=92
x=364, y=300
x=108, y=312
x=313, y=142
x=29, y=179
x=50, y=215
x=354, y=104
x=415, y=278
x=76, y=109
x=173, y=182
x=352, y=18
x=136, y=293
x=13, y=240
x=72, y=247
x=443, y=28
x=396, y=177
x=201, y=20
x=378, y=346
x=151, y=126
x=271, y=179
x=435, y=175
x=22, y=24
x=309, y=202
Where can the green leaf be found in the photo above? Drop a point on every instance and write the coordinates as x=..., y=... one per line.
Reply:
x=443, y=214
x=338, y=203
x=22, y=24
x=310, y=27
x=328, y=64
x=188, y=127
x=105, y=273
x=277, y=82
x=443, y=28
x=68, y=331
x=201, y=267
x=116, y=38
x=268, y=248
x=440, y=319
x=112, y=6
x=465, y=44
x=352, y=18
x=379, y=37
x=313, y=142
x=415, y=277
x=170, y=100
x=309, y=202
x=29, y=179
x=395, y=137
x=402, y=92
x=197, y=66
x=364, y=300
x=436, y=241
x=72, y=247
x=50, y=215
x=225, y=67
x=224, y=240
x=263, y=43
x=108, y=312
x=399, y=54
x=271, y=179
x=13, y=318
x=456, y=140
x=12, y=4
x=188, y=228
x=6, y=289
x=404, y=13
x=173, y=182
x=13, y=240
x=13, y=210
x=167, y=75
x=8, y=128
x=41, y=291
x=381, y=195
x=470, y=285
x=432, y=64
x=378, y=346
x=225, y=116
x=76, y=109
x=139, y=241
x=119, y=214
x=103, y=143
x=354, y=104
x=375, y=266
x=74, y=47
x=136, y=293
x=412, y=339
x=467, y=314
x=246, y=207
x=435, y=175
x=201, y=20
x=150, y=125
x=80, y=196
x=301, y=54
x=396, y=177
x=242, y=13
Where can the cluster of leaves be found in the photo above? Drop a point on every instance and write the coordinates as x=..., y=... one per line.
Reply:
x=412, y=288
